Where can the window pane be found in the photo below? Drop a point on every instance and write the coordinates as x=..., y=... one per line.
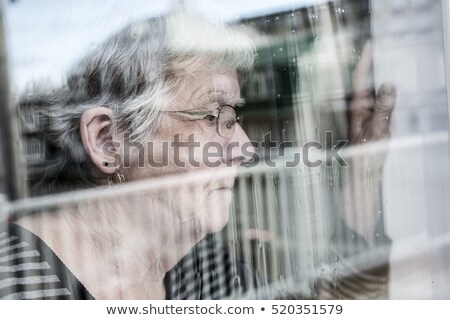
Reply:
x=345, y=194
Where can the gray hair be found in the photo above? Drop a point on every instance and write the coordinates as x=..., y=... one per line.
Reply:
x=135, y=73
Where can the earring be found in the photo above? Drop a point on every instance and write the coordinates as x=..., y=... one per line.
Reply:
x=116, y=177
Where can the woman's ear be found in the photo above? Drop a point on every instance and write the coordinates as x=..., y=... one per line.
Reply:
x=97, y=137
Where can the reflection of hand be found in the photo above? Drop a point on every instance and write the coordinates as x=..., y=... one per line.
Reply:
x=369, y=122
x=369, y=117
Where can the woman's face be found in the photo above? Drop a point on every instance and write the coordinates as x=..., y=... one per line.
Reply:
x=186, y=145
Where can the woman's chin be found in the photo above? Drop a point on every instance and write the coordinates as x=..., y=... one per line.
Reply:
x=217, y=214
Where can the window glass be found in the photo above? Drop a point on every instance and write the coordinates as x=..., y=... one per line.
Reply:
x=205, y=150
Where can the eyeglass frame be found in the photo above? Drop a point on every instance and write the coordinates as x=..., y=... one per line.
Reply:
x=198, y=114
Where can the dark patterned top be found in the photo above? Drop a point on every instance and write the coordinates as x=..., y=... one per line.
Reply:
x=208, y=272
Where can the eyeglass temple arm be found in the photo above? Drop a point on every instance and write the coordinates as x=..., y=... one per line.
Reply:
x=196, y=115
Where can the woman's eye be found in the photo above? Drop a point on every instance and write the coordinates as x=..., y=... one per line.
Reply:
x=210, y=118
x=230, y=124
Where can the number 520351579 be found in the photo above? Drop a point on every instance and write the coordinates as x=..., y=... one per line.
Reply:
x=307, y=309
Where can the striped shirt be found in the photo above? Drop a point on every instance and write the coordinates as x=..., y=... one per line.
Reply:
x=29, y=269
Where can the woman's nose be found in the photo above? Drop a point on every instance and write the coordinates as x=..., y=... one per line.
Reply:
x=239, y=148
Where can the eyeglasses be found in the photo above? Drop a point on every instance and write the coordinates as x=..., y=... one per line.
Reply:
x=224, y=117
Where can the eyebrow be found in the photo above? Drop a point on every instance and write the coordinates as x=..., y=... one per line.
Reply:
x=222, y=97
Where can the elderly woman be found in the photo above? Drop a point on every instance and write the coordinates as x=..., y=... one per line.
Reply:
x=169, y=80
x=159, y=98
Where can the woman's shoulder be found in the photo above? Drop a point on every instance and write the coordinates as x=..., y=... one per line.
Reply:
x=29, y=269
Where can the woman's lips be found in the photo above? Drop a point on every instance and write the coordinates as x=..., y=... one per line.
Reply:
x=226, y=187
